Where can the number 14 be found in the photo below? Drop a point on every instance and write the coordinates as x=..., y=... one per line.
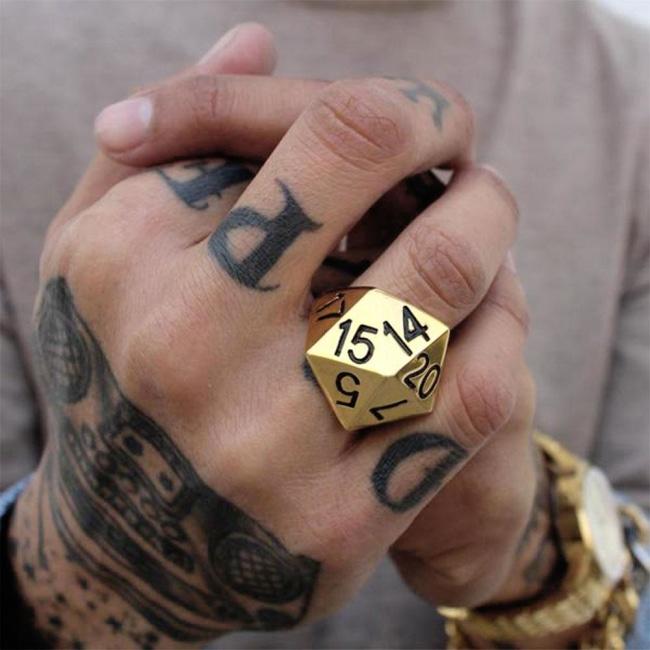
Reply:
x=412, y=329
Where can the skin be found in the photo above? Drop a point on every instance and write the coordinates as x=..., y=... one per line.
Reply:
x=152, y=325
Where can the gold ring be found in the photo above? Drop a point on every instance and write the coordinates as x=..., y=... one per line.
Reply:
x=376, y=358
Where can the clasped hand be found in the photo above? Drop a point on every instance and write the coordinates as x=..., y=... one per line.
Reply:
x=198, y=482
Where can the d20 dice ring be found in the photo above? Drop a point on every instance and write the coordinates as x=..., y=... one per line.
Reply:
x=376, y=358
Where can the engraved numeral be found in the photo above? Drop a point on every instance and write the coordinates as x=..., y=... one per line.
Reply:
x=360, y=338
x=344, y=326
x=376, y=410
x=412, y=329
x=352, y=394
x=428, y=374
x=388, y=329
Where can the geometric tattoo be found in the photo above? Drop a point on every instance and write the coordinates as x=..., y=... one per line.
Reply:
x=132, y=511
x=438, y=456
x=278, y=234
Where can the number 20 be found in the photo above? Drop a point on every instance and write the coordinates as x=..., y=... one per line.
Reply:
x=426, y=373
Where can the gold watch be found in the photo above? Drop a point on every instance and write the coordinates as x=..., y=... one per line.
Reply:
x=597, y=587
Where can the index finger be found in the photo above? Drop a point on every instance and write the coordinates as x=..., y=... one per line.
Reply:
x=355, y=141
x=249, y=50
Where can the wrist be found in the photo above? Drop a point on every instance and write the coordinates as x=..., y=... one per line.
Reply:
x=42, y=575
x=67, y=608
x=595, y=602
x=21, y=633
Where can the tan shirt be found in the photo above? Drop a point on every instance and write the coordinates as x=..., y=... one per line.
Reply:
x=562, y=98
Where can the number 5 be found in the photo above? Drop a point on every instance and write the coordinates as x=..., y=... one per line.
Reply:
x=352, y=394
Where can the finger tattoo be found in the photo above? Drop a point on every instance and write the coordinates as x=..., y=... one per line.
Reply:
x=211, y=179
x=279, y=234
x=419, y=463
x=422, y=91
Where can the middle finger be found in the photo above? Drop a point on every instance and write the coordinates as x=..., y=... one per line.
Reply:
x=353, y=143
x=446, y=259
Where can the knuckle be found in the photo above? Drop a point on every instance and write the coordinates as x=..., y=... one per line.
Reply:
x=454, y=575
x=361, y=122
x=207, y=99
x=147, y=365
x=141, y=367
x=466, y=117
x=56, y=252
x=88, y=255
x=486, y=401
x=498, y=187
x=445, y=264
x=522, y=419
x=513, y=304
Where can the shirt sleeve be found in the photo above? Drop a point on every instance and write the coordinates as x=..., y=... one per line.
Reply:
x=623, y=442
x=19, y=420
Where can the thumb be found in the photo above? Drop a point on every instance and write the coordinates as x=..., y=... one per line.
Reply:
x=245, y=49
x=121, y=128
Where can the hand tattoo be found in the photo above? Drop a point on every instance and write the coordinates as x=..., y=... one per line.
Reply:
x=400, y=456
x=133, y=513
x=421, y=90
x=212, y=180
x=279, y=233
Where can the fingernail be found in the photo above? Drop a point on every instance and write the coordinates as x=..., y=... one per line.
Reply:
x=220, y=45
x=510, y=263
x=124, y=125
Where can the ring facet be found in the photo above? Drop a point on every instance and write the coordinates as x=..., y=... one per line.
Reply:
x=376, y=358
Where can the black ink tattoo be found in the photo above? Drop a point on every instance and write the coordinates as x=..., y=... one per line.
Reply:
x=448, y=454
x=308, y=373
x=63, y=351
x=279, y=233
x=113, y=623
x=421, y=90
x=133, y=513
x=29, y=570
x=211, y=180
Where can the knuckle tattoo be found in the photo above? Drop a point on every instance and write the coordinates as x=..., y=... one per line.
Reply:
x=467, y=117
x=418, y=91
x=360, y=122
